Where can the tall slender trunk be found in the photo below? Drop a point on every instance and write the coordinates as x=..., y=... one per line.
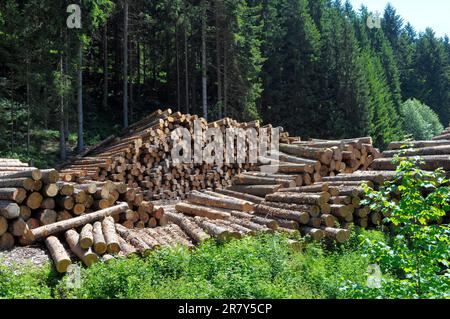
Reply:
x=125, y=64
x=62, y=138
x=105, y=66
x=204, y=66
x=28, y=105
x=80, y=99
x=186, y=66
x=139, y=69
x=130, y=82
x=178, y=67
x=66, y=100
x=218, y=59
x=225, y=75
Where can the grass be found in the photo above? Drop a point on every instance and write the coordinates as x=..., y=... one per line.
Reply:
x=261, y=267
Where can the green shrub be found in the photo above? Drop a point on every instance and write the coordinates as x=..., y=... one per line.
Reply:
x=417, y=254
x=420, y=121
x=255, y=267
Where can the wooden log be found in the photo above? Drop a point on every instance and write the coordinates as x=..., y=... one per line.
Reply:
x=9, y=210
x=126, y=249
x=323, y=155
x=16, y=195
x=300, y=217
x=65, y=225
x=312, y=210
x=134, y=239
x=59, y=254
x=34, y=200
x=314, y=233
x=25, y=212
x=254, y=180
x=434, y=150
x=18, y=227
x=288, y=168
x=6, y=241
x=430, y=163
x=218, y=232
x=328, y=220
x=86, y=236
x=247, y=197
x=340, y=235
x=256, y=190
x=50, y=176
x=26, y=183
x=227, y=203
x=67, y=202
x=50, y=190
x=300, y=198
x=416, y=144
x=29, y=172
x=109, y=232
x=377, y=177
x=47, y=217
x=202, y=211
x=255, y=227
x=3, y=225
x=87, y=256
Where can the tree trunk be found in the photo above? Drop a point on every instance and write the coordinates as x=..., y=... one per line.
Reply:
x=125, y=64
x=186, y=66
x=28, y=106
x=204, y=63
x=178, y=67
x=105, y=67
x=62, y=138
x=218, y=59
x=80, y=99
x=58, y=253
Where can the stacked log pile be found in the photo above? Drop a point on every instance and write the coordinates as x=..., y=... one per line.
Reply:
x=444, y=136
x=31, y=198
x=141, y=158
x=223, y=216
x=434, y=154
x=299, y=163
x=97, y=237
x=335, y=156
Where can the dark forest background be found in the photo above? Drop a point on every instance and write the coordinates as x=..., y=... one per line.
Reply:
x=314, y=67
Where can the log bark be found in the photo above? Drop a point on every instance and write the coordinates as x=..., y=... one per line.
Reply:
x=59, y=254
x=211, y=201
x=430, y=163
x=17, y=195
x=109, y=232
x=100, y=246
x=9, y=210
x=134, y=239
x=87, y=256
x=189, y=227
x=201, y=211
x=314, y=233
x=218, y=232
x=6, y=241
x=86, y=236
x=300, y=198
x=255, y=180
x=247, y=197
x=323, y=155
x=256, y=190
x=3, y=225
x=26, y=183
x=300, y=217
x=58, y=227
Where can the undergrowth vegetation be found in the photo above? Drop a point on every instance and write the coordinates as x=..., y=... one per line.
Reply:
x=261, y=267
